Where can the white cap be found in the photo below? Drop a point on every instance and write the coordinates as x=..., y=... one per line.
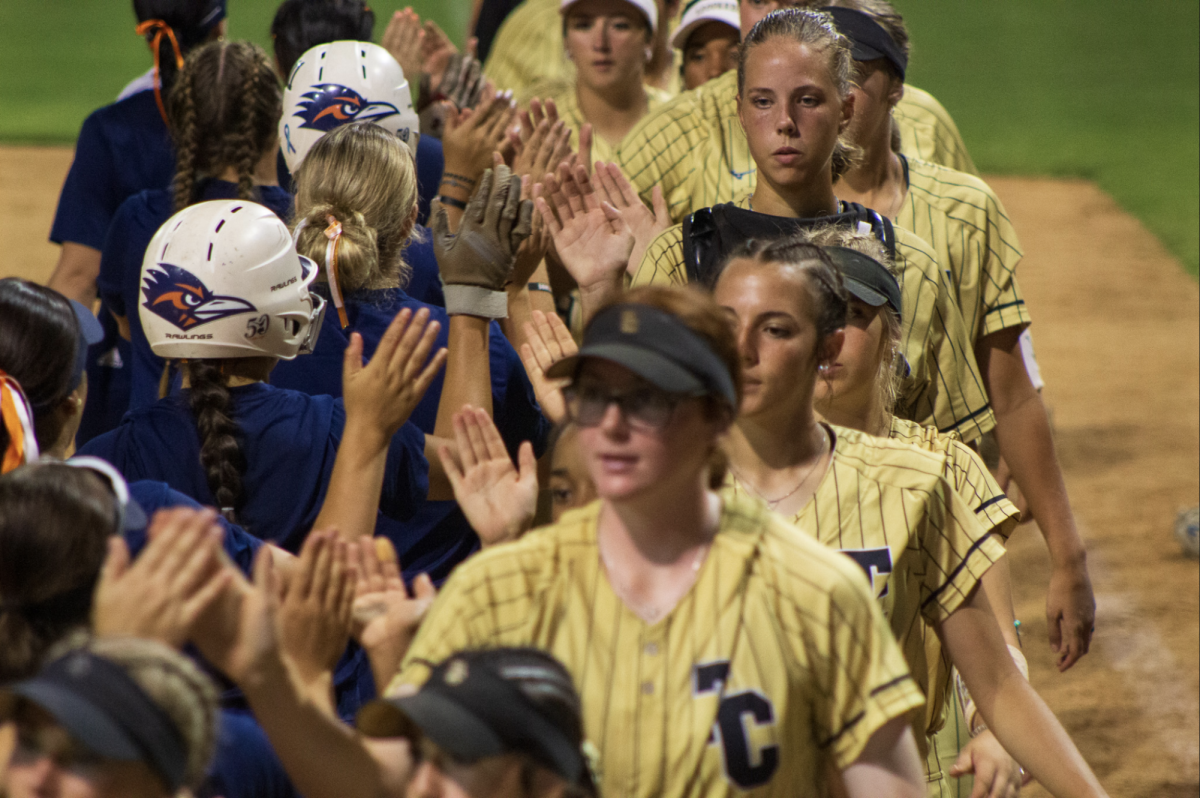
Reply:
x=649, y=9
x=697, y=12
x=341, y=82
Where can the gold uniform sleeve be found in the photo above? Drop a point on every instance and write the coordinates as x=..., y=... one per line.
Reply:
x=945, y=388
x=662, y=264
x=660, y=151
x=965, y=222
x=528, y=48
x=927, y=131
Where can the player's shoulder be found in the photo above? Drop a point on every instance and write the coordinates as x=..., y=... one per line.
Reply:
x=948, y=189
x=922, y=436
x=689, y=113
x=921, y=104
x=912, y=250
x=888, y=461
x=662, y=264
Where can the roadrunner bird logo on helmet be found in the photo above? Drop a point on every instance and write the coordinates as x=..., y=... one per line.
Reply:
x=331, y=105
x=178, y=296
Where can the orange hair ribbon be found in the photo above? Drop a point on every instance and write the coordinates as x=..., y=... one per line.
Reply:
x=334, y=232
x=159, y=28
x=18, y=422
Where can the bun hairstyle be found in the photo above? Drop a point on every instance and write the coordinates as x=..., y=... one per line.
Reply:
x=223, y=112
x=303, y=24
x=55, y=521
x=362, y=177
x=891, y=360
x=815, y=29
x=699, y=313
x=180, y=689
x=38, y=337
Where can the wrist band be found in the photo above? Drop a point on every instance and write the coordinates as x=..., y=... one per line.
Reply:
x=475, y=300
x=540, y=287
x=457, y=176
x=452, y=202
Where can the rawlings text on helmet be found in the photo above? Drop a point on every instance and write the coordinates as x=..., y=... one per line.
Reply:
x=178, y=296
x=328, y=106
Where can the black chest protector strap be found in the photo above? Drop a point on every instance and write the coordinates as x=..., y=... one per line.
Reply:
x=711, y=234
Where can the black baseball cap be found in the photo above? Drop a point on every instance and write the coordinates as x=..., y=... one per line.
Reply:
x=657, y=347
x=866, y=278
x=471, y=709
x=868, y=39
x=103, y=709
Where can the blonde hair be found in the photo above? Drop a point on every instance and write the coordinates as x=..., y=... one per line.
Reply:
x=179, y=688
x=817, y=30
x=887, y=375
x=363, y=177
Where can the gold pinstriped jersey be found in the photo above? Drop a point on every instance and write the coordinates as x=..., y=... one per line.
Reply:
x=774, y=665
x=931, y=132
x=974, y=240
x=967, y=472
x=695, y=148
x=567, y=102
x=944, y=387
x=528, y=48
x=888, y=506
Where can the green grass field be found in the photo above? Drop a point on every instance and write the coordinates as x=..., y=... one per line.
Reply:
x=1103, y=90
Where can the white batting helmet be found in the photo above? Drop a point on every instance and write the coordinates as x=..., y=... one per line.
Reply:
x=222, y=279
x=698, y=12
x=341, y=82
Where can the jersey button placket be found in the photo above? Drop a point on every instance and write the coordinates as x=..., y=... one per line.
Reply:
x=652, y=710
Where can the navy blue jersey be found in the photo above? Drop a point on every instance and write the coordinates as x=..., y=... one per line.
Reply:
x=430, y=164
x=438, y=538
x=119, y=283
x=244, y=764
x=122, y=149
x=152, y=496
x=424, y=282
x=289, y=441
x=108, y=381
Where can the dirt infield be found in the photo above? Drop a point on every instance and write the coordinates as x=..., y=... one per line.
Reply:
x=1117, y=330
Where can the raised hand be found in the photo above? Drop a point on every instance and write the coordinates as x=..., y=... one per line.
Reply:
x=237, y=633
x=591, y=238
x=176, y=578
x=476, y=263
x=386, y=617
x=404, y=39
x=436, y=52
x=382, y=394
x=644, y=223
x=547, y=341
x=543, y=141
x=315, y=606
x=498, y=500
x=471, y=136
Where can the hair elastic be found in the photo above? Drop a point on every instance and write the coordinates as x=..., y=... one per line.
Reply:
x=159, y=27
x=334, y=232
x=18, y=422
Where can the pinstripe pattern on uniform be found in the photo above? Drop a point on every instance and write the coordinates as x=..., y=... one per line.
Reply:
x=972, y=238
x=945, y=388
x=932, y=135
x=528, y=48
x=567, y=103
x=787, y=624
x=695, y=149
x=879, y=494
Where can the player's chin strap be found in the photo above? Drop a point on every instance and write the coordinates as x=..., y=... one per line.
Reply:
x=18, y=423
x=158, y=27
x=334, y=233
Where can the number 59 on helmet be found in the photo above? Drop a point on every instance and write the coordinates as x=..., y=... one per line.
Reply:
x=222, y=279
x=341, y=82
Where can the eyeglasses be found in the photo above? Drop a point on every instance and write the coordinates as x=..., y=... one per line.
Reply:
x=647, y=408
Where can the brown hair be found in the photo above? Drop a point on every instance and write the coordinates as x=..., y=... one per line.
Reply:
x=817, y=30
x=888, y=18
x=54, y=528
x=700, y=314
x=887, y=379
x=365, y=178
x=223, y=111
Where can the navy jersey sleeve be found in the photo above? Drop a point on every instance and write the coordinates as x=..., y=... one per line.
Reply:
x=430, y=163
x=239, y=544
x=406, y=476
x=90, y=194
x=517, y=412
x=245, y=764
x=424, y=282
x=122, y=253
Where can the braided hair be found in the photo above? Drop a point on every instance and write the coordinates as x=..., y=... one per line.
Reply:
x=223, y=112
x=220, y=450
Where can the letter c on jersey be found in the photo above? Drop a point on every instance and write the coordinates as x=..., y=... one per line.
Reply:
x=747, y=768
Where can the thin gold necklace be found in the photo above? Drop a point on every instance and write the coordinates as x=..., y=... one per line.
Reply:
x=773, y=503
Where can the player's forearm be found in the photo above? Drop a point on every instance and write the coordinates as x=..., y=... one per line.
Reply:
x=599, y=294
x=76, y=271
x=1010, y=707
x=468, y=377
x=997, y=586
x=322, y=757
x=888, y=766
x=356, y=484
